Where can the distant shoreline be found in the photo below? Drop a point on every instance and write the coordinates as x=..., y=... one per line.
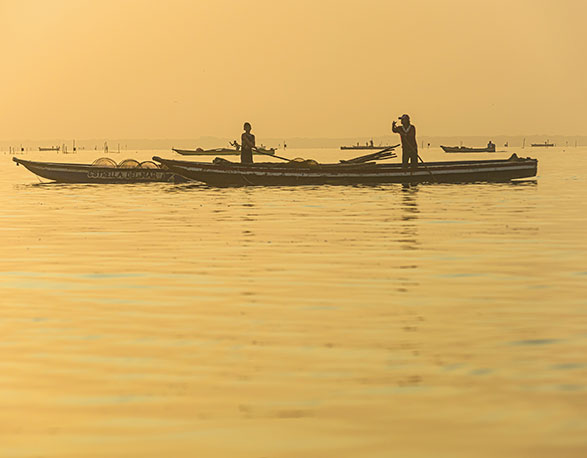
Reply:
x=513, y=141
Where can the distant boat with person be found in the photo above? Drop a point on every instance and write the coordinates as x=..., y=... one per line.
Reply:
x=368, y=145
x=490, y=148
x=546, y=144
x=234, y=151
x=49, y=148
x=204, y=152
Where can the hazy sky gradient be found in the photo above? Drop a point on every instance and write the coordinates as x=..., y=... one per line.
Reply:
x=124, y=68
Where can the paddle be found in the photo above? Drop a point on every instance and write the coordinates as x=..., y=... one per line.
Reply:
x=389, y=148
x=386, y=153
x=427, y=169
x=258, y=151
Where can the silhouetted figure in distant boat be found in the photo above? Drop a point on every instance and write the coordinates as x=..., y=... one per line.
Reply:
x=490, y=145
x=407, y=132
x=371, y=143
x=247, y=144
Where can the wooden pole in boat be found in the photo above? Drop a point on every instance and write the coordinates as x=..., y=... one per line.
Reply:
x=427, y=169
x=258, y=151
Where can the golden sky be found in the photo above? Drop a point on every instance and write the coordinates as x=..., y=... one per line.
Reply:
x=316, y=68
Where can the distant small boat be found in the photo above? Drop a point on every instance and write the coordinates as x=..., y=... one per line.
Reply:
x=204, y=152
x=361, y=147
x=465, y=149
x=218, y=151
x=262, y=150
x=103, y=170
x=546, y=144
x=49, y=148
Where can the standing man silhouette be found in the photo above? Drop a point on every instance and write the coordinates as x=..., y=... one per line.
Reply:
x=407, y=133
x=248, y=143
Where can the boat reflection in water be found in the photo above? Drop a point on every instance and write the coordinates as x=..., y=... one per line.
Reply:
x=408, y=238
x=410, y=212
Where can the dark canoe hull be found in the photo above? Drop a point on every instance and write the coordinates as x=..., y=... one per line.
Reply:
x=365, y=147
x=272, y=174
x=542, y=145
x=216, y=152
x=465, y=149
x=84, y=173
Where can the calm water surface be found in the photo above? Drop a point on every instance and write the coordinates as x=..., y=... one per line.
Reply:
x=180, y=320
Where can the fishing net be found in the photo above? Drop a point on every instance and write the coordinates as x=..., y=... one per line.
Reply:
x=104, y=162
x=148, y=165
x=129, y=164
x=301, y=162
x=221, y=160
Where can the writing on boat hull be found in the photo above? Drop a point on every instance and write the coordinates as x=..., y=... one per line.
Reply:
x=130, y=174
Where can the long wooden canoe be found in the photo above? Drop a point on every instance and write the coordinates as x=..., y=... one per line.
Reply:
x=225, y=173
x=87, y=173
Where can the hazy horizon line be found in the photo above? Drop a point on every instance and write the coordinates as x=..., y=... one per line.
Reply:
x=286, y=138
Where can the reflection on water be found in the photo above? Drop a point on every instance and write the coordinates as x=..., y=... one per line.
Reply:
x=183, y=320
x=409, y=206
